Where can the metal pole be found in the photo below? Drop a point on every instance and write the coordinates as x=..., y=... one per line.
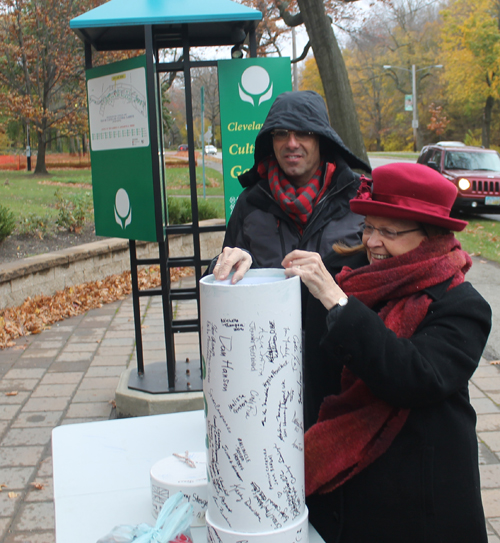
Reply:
x=253, y=43
x=158, y=173
x=294, y=65
x=203, y=140
x=415, y=108
x=137, y=306
x=28, y=147
x=192, y=169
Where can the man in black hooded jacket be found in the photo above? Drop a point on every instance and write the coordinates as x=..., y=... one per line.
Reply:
x=297, y=193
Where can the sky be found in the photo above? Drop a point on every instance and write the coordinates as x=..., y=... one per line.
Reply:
x=301, y=40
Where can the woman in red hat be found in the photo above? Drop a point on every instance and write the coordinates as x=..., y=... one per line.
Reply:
x=393, y=335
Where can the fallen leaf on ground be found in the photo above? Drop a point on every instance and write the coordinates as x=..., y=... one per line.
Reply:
x=13, y=393
x=2, y=486
x=38, y=313
x=13, y=495
x=38, y=486
x=495, y=362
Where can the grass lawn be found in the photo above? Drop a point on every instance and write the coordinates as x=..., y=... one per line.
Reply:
x=178, y=181
x=394, y=154
x=30, y=197
x=481, y=237
x=26, y=194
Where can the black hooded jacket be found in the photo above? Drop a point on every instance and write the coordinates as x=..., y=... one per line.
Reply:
x=260, y=226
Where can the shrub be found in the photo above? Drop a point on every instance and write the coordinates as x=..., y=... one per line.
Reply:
x=473, y=139
x=73, y=213
x=7, y=222
x=179, y=210
x=397, y=142
x=34, y=225
x=206, y=210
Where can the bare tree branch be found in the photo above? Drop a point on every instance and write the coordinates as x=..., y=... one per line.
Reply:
x=289, y=19
x=304, y=53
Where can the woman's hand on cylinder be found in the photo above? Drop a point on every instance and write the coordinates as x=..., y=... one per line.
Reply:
x=313, y=273
x=232, y=259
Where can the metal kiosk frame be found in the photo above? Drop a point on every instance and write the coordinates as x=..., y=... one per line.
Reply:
x=153, y=25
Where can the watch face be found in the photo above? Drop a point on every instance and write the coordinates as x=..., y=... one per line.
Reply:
x=343, y=301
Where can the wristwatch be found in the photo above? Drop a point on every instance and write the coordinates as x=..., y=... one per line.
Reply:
x=343, y=301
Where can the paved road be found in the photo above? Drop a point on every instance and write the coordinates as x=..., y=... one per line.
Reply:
x=491, y=217
x=374, y=161
x=485, y=276
x=379, y=161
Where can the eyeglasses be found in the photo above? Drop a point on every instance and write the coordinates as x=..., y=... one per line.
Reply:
x=282, y=135
x=387, y=233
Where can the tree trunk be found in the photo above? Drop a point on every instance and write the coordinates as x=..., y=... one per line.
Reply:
x=333, y=72
x=485, y=139
x=41, y=168
x=419, y=143
x=378, y=137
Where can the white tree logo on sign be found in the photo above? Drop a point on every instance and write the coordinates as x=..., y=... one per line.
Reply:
x=255, y=83
x=123, y=211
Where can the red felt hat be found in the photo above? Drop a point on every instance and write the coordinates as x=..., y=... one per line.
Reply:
x=411, y=192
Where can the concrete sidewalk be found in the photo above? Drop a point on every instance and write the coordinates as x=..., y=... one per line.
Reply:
x=69, y=374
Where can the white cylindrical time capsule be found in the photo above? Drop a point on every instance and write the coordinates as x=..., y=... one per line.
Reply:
x=252, y=383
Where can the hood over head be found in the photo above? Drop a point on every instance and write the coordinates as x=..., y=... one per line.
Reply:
x=301, y=111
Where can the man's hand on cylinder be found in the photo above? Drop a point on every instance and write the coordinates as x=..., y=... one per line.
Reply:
x=311, y=270
x=232, y=259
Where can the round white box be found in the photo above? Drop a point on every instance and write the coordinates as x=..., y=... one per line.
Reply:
x=297, y=532
x=172, y=475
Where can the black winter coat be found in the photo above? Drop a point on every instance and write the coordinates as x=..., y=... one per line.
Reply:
x=425, y=487
x=258, y=224
x=261, y=227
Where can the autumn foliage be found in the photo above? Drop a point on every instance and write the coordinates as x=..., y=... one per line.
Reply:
x=38, y=313
x=438, y=122
x=41, y=68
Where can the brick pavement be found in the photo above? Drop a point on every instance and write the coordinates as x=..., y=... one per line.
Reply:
x=68, y=374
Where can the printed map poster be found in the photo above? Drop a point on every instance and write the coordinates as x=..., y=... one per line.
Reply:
x=120, y=150
x=247, y=90
x=118, y=110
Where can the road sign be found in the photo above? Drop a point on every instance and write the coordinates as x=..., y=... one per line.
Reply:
x=408, y=102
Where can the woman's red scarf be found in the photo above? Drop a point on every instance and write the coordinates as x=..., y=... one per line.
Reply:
x=297, y=203
x=355, y=427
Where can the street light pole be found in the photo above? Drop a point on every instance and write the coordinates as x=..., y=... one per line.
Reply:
x=28, y=147
x=203, y=140
x=294, y=65
x=414, y=123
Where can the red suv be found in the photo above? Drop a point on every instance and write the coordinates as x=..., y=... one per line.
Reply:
x=473, y=170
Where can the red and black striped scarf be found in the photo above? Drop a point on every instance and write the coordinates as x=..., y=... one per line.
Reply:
x=355, y=427
x=297, y=203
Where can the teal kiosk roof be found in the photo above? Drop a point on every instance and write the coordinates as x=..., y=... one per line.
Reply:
x=119, y=24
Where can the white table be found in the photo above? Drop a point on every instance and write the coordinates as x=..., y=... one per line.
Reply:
x=101, y=472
